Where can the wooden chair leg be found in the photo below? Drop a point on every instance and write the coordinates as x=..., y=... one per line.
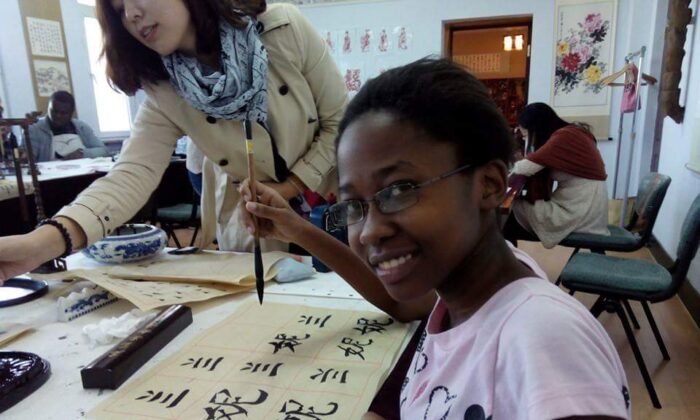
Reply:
x=617, y=307
x=630, y=313
x=655, y=329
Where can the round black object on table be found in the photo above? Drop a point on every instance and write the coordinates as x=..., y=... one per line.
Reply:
x=20, y=375
x=15, y=291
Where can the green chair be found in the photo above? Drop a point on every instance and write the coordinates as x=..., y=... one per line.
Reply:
x=637, y=233
x=180, y=216
x=632, y=237
x=616, y=280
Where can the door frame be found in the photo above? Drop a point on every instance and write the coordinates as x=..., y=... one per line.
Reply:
x=451, y=26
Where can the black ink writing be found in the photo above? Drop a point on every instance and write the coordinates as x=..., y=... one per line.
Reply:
x=202, y=363
x=284, y=342
x=161, y=397
x=324, y=375
x=366, y=326
x=294, y=410
x=354, y=347
x=314, y=320
x=224, y=406
x=268, y=368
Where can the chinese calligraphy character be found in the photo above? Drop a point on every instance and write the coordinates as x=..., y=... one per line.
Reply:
x=224, y=407
x=285, y=342
x=347, y=46
x=163, y=398
x=365, y=41
x=325, y=374
x=383, y=41
x=330, y=42
x=311, y=320
x=367, y=326
x=403, y=39
x=294, y=410
x=255, y=367
x=354, y=348
x=197, y=363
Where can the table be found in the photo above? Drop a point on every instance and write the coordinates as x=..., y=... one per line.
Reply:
x=62, y=181
x=62, y=396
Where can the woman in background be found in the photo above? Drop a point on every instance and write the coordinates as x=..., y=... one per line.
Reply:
x=565, y=153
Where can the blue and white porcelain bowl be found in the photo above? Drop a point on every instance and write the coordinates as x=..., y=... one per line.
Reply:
x=128, y=243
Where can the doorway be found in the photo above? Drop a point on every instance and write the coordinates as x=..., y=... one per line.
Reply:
x=497, y=52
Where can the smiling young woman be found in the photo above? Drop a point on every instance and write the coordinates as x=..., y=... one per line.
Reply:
x=422, y=162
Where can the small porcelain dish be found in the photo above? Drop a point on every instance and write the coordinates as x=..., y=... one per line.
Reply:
x=131, y=242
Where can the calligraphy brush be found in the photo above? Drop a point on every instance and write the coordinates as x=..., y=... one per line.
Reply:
x=259, y=280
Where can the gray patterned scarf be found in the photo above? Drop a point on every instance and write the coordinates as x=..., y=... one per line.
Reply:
x=235, y=92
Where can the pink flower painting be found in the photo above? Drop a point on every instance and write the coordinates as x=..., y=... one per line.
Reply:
x=578, y=57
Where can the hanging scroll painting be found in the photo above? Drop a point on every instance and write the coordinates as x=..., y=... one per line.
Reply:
x=583, y=55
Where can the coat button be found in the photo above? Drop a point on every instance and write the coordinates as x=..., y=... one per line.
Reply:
x=223, y=162
x=284, y=90
x=211, y=120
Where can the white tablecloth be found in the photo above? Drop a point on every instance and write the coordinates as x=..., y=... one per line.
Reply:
x=63, y=397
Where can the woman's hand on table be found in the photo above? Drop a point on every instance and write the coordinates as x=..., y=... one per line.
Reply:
x=276, y=219
x=20, y=254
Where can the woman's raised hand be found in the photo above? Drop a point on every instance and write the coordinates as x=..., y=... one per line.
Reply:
x=275, y=218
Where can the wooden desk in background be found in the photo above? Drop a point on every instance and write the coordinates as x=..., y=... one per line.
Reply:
x=62, y=181
x=516, y=183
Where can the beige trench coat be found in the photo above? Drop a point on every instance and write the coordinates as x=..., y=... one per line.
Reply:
x=306, y=100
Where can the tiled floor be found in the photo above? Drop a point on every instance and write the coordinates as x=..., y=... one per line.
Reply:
x=677, y=381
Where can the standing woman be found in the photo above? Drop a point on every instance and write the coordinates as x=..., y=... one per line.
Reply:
x=205, y=66
x=569, y=155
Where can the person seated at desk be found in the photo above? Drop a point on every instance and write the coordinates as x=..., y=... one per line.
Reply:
x=565, y=153
x=60, y=136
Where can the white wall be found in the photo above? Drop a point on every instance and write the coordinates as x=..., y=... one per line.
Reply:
x=14, y=62
x=675, y=151
x=639, y=23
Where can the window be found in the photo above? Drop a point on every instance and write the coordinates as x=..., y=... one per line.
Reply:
x=112, y=107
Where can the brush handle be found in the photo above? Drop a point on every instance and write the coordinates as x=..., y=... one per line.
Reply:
x=251, y=172
x=259, y=272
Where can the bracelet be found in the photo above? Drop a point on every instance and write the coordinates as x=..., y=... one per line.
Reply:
x=64, y=232
x=296, y=186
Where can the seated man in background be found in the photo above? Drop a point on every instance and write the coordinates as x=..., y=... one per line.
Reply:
x=60, y=136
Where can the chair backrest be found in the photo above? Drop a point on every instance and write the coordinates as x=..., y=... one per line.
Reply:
x=650, y=196
x=687, y=248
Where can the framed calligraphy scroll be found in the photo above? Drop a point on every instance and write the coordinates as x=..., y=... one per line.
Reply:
x=270, y=361
x=46, y=49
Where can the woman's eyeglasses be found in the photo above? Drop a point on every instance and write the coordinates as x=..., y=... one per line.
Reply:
x=391, y=199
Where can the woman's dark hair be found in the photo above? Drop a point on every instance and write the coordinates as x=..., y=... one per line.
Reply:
x=540, y=120
x=445, y=101
x=130, y=63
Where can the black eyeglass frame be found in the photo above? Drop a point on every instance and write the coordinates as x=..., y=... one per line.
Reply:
x=377, y=198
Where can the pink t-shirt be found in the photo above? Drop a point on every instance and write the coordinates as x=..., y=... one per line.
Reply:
x=530, y=352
